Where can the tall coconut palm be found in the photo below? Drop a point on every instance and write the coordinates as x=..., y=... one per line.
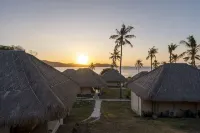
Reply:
x=152, y=54
x=138, y=65
x=171, y=48
x=192, y=51
x=115, y=56
x=92, y=66
x=121, y=39
x=155, y=64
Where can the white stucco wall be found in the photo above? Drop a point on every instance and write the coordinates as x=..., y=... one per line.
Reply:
x=136, y=103
x=54, y=125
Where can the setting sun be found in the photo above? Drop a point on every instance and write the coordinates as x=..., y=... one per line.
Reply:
x=82, y=59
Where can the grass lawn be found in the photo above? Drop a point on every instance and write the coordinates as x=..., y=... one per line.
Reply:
x=80, y=111
x=117, y=117
x=113, y=93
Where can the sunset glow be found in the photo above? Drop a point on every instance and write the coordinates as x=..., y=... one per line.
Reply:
x=82, y=59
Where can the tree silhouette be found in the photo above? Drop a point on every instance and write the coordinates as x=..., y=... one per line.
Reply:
x=91, y=66
x=155, y=64
x=138, y=65
x=171, y=48
x=115, y=56
x=176, y=57
x=121, y=39
x=192, y=51
x=152, y=54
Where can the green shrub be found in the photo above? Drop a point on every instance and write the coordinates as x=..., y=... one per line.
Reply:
x=128, y=94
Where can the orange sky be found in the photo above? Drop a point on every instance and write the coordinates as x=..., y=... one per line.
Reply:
x=60, y=30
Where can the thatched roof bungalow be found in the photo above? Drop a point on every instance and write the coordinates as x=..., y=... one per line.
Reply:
x=69, y=72
x=87, y=80
x=140, y=74
x=32, y=92
x=170, y=89
x=113, y=78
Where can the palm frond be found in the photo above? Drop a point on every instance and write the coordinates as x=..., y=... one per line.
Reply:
x=186, y=58
x=196, y=57
x=147, y=57
x=182, y=54
x=128, y=29
x=129, y=36
x=114, y=36
x=185, y=43
x=127, y=42
x=117, y=31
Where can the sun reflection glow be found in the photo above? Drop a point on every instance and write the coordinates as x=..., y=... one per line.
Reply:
x=82, y=59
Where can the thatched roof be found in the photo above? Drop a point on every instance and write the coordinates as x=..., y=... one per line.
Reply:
x=113, y=76
x=140, y=74
x=170, y=82
x=69, y=72
x=32, y=91
x=85, y=77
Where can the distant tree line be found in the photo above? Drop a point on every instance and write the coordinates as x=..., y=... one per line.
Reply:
x=17, y=47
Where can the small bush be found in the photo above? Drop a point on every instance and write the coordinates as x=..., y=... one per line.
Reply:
x=147, y=114
x=128, y=94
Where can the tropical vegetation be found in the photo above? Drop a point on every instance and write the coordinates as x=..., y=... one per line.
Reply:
x=155, y=64
x=171, y=48
x=115, y=56
x=138, y=65
x=4, y=47
x=122, y=38
x=92, y=66
x=152, y=54
x=191, y=54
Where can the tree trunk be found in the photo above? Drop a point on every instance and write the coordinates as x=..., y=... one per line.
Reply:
x=170, y=57
x=151, y=62
x=120, y=70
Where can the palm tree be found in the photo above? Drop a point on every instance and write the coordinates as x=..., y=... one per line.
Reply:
x=91, y=66
x=192, y=51
x=121, y=39
x=171, y=48
x=155, y=64
x=138, y=65
x=176, y=57
x=152, y=54
x=115, y=56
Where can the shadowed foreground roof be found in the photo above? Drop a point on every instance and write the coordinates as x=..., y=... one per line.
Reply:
x=170, y=82
x=69, y=72
x=113, y=76
x=140, y=74
x=32, y=91
x=85, y=77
